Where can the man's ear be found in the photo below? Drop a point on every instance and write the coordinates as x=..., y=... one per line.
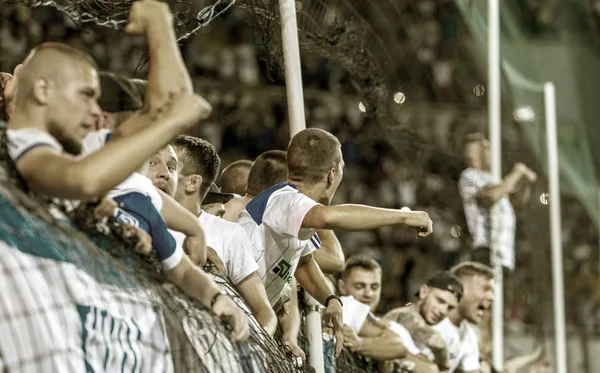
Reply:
x=41, y=90
x=423, y=291
x=341, y=287
x=193, y=183
x=331, y=175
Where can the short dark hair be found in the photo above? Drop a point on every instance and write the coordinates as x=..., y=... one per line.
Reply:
x=468, y=269
x=359, y=261
x=311, y=153
x=200, y=158
x=269, y=168
x=233, y=178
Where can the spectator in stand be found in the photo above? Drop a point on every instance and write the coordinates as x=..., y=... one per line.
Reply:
x=479, y=194
x=458, y=328
x=436, y=299
x=199, y=168
x=360, y=287
x=282, y=221
x=234, y=177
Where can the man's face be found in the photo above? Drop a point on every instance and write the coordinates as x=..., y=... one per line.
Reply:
x=162, y=170
x=364, y=285
x=477, y=299
x=72, y=106
x=437, y=303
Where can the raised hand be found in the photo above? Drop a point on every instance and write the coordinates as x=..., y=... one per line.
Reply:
x=185, y=110
x=145, y=14
x=420, y=221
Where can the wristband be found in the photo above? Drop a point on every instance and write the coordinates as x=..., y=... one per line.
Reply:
x=329, y=298
x=216, y=297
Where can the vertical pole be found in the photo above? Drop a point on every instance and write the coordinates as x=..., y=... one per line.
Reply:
x=494, y=112
x=560, y=338
x=291, y=62
x=295, y=101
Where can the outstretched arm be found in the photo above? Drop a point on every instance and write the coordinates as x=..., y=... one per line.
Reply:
x=361, y=217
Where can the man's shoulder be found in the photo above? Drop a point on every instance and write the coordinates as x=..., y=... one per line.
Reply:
x=23, y=139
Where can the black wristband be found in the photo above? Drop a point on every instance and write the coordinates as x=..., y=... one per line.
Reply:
x=329, y=298
x=216, y=297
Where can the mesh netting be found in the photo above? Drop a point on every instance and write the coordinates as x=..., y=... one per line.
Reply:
x=70, y=290
x=189, y=15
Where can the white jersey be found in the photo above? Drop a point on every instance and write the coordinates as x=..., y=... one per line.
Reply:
x=463, y=345
x=471, y=182
x=232, y=245
x=139, y=201
x=273, y=221
x=354, y=313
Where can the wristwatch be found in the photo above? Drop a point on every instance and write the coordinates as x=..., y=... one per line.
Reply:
x=216, y=297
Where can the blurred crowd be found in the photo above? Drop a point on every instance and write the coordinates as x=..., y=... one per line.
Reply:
x=250, y=117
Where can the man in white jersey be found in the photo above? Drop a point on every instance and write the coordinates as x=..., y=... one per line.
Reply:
x=360, y=285
x=435, y=300
x=282, y=221
x=459, y=328
x=364, y=333
x=56, y=107
x=189, y=184
x=479, y=193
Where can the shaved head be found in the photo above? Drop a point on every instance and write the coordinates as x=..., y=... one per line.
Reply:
x=269, y=168
x=60, y=84
x=235, y=177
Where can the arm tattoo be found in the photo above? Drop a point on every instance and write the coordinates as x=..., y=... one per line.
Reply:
x=409, y=320
x=376, y=321
x=426, y=336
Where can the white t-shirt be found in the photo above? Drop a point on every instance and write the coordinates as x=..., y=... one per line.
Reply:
x=273, y=221
x=23, y=140
x=471, y=182
x=406, y=338
x=354, y=313
x=232, y=245
x=463, y=345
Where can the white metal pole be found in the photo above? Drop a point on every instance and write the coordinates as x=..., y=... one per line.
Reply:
x=494, y=112
x=555, y=229
x=295, y=101
x=291, y=62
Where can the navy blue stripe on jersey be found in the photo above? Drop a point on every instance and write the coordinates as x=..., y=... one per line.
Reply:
x=107, y=138
x=140, y=207
x=30, y=148
x=316, y=241
x=256, y=207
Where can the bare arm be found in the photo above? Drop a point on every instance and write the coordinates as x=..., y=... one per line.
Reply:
x=167, y=74
x=197, y=284
x=178, y=218
x=91, y=176
x=330, y=257
x=422, y=365
x=311, y=278
x=378, y=341
x=493, y=193
x=522, y=193
x=253, y=291
x=520, y=362
x=290, y=321
x=361, y=217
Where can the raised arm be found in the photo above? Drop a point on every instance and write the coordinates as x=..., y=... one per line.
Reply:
x=330, y=257
x=168, y=73
x=493, y=193
x=361, y=217
x=290, y=322
x=96, y=174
